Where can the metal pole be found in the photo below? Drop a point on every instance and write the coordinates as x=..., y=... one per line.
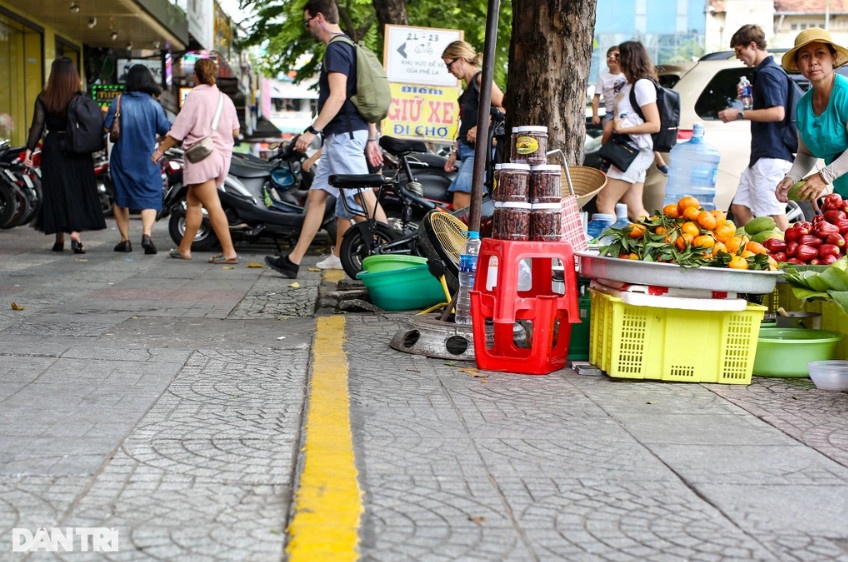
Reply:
x=483, y=114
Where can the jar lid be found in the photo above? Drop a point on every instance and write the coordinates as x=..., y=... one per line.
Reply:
x=530, y=129
x=515, y=166
x=546, y=168
x=513, y=205
x=547, y=206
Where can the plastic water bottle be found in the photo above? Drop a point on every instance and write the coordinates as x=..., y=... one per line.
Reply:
x=693, y=170
x=747, y=96
x=599, y=223
x=467, y=271
x=621, y=219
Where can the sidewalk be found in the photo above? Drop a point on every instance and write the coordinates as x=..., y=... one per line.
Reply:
x=169, y=400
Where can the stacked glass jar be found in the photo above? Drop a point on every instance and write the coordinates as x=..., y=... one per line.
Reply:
x=527, y=197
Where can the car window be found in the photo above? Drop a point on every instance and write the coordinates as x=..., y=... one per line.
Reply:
x=669, y=80
x=720, y=93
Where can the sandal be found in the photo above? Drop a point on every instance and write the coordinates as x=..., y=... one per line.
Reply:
x=221, y=260
x=175, y=253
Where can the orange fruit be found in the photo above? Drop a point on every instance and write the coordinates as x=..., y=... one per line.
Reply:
x=690, y=213
x=719, y=247
x=690, y=228
x=671, y=211
x=724, y=232
x=704, y=241
x=731, y=223
x=706, y=220
x=688, y=201
x=756, y=248
x=720, y=216
x=735, y=243
x=660, y=230
x=738, y=262
x=747, y=254
x=637, y=231
x=683, y=240
x=772, y=264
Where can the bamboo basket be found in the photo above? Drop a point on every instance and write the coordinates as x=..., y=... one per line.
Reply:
x=587, y=182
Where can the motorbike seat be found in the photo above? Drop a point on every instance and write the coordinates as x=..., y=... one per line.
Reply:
x=241, y=168
x=398, y=147
x=359, y=181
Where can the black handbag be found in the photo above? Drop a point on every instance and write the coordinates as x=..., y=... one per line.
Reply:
x=619, y=152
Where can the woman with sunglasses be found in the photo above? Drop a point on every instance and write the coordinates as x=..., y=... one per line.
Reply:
x=464, y=62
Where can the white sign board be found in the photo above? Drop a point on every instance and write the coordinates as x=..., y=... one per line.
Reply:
x=413, y=55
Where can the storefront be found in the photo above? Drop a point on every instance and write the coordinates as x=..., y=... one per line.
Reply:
x=34, y=32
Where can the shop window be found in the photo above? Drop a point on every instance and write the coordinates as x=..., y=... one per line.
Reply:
x=21, y=47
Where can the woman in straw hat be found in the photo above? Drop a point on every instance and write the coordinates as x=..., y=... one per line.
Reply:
x=822, y=114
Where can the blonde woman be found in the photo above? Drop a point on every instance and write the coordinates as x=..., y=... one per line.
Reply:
x=203, y=177
x=464, y=62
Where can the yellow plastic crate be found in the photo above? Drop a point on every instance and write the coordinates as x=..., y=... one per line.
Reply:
x=641, y=342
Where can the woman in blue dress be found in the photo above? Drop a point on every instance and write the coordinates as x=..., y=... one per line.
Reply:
x=138, y=181
x=822, y=115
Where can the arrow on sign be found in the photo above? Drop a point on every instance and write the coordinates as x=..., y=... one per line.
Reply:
x=402, y=50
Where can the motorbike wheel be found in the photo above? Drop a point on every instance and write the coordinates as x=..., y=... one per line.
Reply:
x=205, y=239
x=7, y=203
x=356, y=247
x=21, y=208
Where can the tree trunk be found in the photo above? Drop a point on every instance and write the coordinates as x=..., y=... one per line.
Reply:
x=391, y=12
x=550, y=55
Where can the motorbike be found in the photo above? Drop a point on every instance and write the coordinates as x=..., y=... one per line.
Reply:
x=261, y=199
x=105, y=185
x=20, y=188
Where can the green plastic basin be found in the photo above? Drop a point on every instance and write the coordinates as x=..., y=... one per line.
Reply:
x=785, y=352
x=388, y=262
x=403, y=289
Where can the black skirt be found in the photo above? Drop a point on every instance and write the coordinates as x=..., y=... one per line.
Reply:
x=71, y=202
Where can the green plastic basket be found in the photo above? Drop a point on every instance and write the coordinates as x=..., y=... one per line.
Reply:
x=403, y=289
x=785, y=352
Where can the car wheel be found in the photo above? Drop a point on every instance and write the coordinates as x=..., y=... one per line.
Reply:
x=799, y=211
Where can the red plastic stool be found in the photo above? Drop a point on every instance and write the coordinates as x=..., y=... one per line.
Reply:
x=551, y=313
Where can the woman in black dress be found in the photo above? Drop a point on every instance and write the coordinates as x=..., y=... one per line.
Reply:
x=71, y=203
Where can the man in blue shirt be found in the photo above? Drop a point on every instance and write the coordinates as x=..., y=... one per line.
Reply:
x=770, y=158
x=348, y=139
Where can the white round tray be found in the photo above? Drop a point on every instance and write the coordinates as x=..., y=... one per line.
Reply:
x=672, y=275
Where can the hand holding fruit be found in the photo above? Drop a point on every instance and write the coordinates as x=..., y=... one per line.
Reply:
x=809, y=188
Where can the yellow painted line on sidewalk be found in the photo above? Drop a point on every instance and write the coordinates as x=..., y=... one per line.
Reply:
x=328, y=501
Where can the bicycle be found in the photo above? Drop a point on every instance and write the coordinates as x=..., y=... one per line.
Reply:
x=368, y=236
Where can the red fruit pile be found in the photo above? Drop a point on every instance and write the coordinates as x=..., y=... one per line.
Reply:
x=820, y=242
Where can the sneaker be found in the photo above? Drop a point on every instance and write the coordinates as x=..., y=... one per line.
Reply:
x=663, y=169
x=331, y=262
x=283, y=265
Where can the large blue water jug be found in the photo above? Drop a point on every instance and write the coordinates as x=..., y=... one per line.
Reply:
x=693, y=170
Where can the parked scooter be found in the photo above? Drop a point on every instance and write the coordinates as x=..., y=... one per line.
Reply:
x=105, y=185
x=260, y=199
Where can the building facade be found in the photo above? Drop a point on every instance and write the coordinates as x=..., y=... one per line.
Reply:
x=105, y=38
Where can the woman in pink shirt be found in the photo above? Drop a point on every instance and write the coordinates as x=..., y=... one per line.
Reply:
x=192, y=124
